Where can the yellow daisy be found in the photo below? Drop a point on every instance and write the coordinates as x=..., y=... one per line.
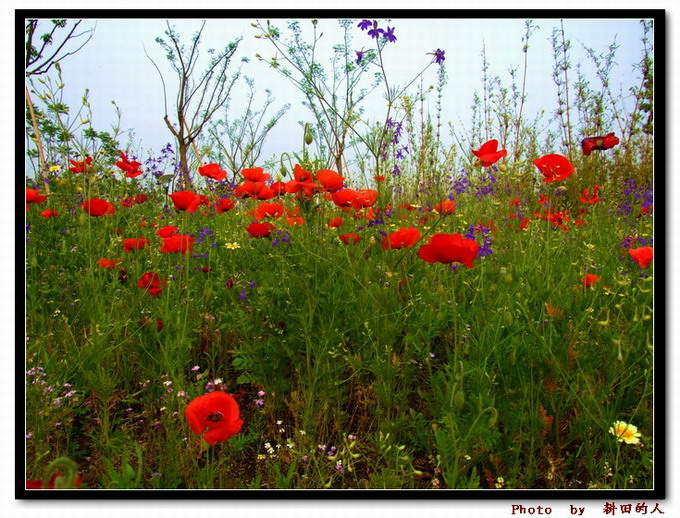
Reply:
x=625, y=432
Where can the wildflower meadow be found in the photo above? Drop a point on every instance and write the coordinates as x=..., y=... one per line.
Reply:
x=399, y=302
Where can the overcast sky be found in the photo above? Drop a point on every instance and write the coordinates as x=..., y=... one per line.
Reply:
x=113, y=66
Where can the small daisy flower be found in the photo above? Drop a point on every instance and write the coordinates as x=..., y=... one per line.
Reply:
x=625, y=432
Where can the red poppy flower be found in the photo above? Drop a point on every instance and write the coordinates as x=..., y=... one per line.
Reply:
x=130, y=167
x=263, y=210
x=266, y=193
x=258, y=190
x=177, y=243
x=53, y=483
x=303, y=183
x=255, y=174
x=98, y=207
x=344, y=197
x=134, y=200
x=335, y=223
x=449, y=248
x=555, y=168
x=445, y=207
x=589, y=279
x=402, y=238
x=542, y=199
x=108, y=264
x=589, y=144
x=166, y=231
x=223, y=205
x=524, y=223
x=33, y=196
x=373, y=214
x=330, y=180
x=152, y=283
x=488, y=154
x=295, y=220
x=380, y=178
x=217, y=412
x=587, y=198
x=643, y=255
x=260, y=229
x=79, y=167
x=49, y=213
x=515, y=202
x=350, y=238
x=135, y=243
x=644, y=210
x=186, y=201
x=365, y=198
x=212, y=171
x=248, y=188
x=278, y=188
x=557, y=219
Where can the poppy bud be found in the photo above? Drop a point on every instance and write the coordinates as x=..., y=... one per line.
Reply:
x=508, y=278
x=309, y=138
x=503, y=167
x=493, y=419
x=440, y=290
x=507, y=318
x=459, y=400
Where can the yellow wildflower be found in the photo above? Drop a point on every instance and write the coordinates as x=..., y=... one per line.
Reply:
x=625, y=432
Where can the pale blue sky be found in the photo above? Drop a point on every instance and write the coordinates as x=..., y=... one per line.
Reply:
x=113, y=66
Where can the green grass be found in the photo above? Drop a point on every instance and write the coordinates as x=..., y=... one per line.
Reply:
x=508, y=374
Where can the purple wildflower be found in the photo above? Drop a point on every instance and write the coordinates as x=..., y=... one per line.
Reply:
x=389, y=35
x=400, y=152
x=438, y=56
x=364, y=24
x=360, y=55
x=375, y=32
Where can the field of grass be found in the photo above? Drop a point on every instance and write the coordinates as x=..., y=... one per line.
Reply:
x=502, y=358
